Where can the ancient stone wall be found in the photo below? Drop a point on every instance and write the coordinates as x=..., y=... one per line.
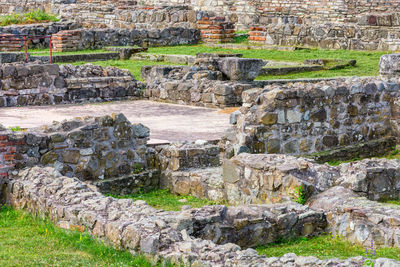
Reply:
x=214, y=80
x=87, y=148
x=328, y=36
x=99, y=38
x=361, y=25
x=303, y=119
x=45, y=29
x=47, y=84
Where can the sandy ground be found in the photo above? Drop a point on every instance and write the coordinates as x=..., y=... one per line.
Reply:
x=167, y=122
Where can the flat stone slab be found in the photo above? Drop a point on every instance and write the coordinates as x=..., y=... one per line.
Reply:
x=167, y=122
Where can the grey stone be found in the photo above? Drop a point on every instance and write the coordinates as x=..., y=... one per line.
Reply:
x=240, y=69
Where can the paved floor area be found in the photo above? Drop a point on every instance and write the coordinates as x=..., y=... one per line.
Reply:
x=167, y=122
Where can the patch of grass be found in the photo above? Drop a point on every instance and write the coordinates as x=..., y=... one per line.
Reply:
x=367, y=61
x=29, y=241
x=134, y=66
x=15, y=129
x=46, y=52
x=394, y=202
x=163, y=199
x=36, y=16
x=323, y=247
x=301, y=195
x=395, y=154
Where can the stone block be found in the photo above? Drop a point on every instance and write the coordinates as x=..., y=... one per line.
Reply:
x=240, y=69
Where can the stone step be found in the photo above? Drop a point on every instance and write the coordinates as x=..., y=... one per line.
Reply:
x=202, y=183
x=201, y=154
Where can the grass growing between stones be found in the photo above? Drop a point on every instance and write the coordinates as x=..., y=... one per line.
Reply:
x=163, y=199
x=324, y=247
x=134, y=66
x=29, y=241
x=367, y=62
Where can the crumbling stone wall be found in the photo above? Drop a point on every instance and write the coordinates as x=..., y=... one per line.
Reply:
x=303, y=119
x=213, y=80
x=191, y=236
x=87, y=148
x=46, y=84
x=361, y=25
x=327, y=36
x=357, y=219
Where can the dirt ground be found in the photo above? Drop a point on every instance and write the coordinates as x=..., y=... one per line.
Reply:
x=167, y=122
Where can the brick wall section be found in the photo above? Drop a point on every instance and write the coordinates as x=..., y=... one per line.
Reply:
x=257, y=35
x=9, y=43
x=9, y=146
x=65, y=41
x=216, y=30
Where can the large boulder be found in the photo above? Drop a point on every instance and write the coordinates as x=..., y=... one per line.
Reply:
x=240, y=69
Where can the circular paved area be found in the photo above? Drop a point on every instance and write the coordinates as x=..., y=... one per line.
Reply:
x=167, y=122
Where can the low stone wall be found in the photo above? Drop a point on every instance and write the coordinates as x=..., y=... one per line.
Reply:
x=258, y=178
x=177, y=163
x=46, y=84
x=88, y=148
x=128, y=15
x=328, y=36
x=42, y=29
x=302, y=119
x=181, y=237
x=357, y=219
x=213, y=80
x=98, y=38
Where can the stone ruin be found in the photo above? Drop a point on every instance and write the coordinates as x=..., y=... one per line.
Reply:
x=338, y=24
x=63, y=170
x=35, y=83
x=214, y=80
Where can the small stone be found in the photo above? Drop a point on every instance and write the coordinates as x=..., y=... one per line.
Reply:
x=269, y=118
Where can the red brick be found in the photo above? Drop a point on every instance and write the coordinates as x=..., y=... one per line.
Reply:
x=9, y=157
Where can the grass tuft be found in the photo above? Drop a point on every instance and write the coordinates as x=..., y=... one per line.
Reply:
x=36, y=16
x=163, y=199
x=323, y=247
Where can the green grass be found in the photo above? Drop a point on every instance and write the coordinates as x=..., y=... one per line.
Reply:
x=395, y=154
x=134, y=66
x=163, y=199
x=395, y=202
x=367, y=62
x=29, y=241
x=46, y=52
x=27, y=18
x=324, y=247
